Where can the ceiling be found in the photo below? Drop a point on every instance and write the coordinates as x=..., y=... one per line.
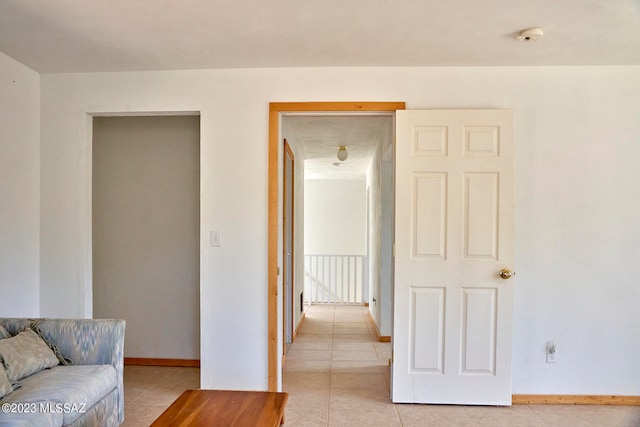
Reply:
x=319, y=137
x=53, y=36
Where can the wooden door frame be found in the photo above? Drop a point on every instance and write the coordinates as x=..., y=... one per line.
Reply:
x=275, y=110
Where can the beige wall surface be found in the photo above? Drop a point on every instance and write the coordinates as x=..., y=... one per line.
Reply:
x=146, y=217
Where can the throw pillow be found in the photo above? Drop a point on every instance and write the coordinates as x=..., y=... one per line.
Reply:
x=33, y=325
x=5, y=384
x=3, y=333
x=26, y=354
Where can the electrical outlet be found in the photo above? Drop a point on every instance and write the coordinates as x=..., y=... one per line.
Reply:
x=552, y=352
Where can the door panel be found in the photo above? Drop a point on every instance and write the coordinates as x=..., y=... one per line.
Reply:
x=430, y=215
x=481, y=215
x=479, y=314
x=454, y=216
x=427, y=329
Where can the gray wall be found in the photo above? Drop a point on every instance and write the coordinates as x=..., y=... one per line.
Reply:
x=146, y=227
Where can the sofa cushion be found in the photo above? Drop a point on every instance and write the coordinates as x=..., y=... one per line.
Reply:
x=25, y=354
x=79, y=386
x=37, y=419
x=101, y=414
x=5, y=384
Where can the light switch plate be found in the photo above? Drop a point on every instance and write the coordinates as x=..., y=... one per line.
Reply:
x=215, y=238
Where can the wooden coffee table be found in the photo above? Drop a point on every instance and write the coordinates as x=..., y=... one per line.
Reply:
x=225, y=408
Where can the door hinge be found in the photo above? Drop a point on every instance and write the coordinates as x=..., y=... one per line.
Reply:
x=394, y=143
x=393, y=250
x=277, y=271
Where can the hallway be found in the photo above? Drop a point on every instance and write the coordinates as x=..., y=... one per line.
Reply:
x=337, y=374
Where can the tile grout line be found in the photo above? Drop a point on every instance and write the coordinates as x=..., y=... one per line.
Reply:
x=333, y=323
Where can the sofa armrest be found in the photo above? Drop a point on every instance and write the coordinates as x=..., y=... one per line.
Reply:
x=84, y=341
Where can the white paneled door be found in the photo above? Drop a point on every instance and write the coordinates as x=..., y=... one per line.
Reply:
x=453, y=258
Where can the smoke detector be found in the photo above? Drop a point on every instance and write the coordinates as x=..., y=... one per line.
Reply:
x=530, y=35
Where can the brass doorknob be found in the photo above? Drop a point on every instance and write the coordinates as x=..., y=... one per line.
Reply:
x=505, y=273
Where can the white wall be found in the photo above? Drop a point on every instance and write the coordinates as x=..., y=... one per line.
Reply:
x=374, y=212
x=387, y=208
x=335, y=217
x=381, y=207
x=19, y=189
x=577, y=214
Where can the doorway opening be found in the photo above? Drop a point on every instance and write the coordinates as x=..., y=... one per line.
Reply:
x=453, y=180
x=145, y=233
x=279, y=113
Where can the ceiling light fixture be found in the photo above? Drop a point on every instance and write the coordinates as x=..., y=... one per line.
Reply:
x=342, y=153
x=530, y=35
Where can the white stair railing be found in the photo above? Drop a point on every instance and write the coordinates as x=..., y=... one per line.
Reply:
x=337, y=279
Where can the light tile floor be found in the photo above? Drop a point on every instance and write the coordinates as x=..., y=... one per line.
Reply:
x=149, y=390
x=337, y=374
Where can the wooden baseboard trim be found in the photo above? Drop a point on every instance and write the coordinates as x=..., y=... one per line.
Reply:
x=144, y=361
x=574, y=399
x=302, y=318
x=381, y=338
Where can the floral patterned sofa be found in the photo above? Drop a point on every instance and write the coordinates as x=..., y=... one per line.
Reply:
x=82, y=385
